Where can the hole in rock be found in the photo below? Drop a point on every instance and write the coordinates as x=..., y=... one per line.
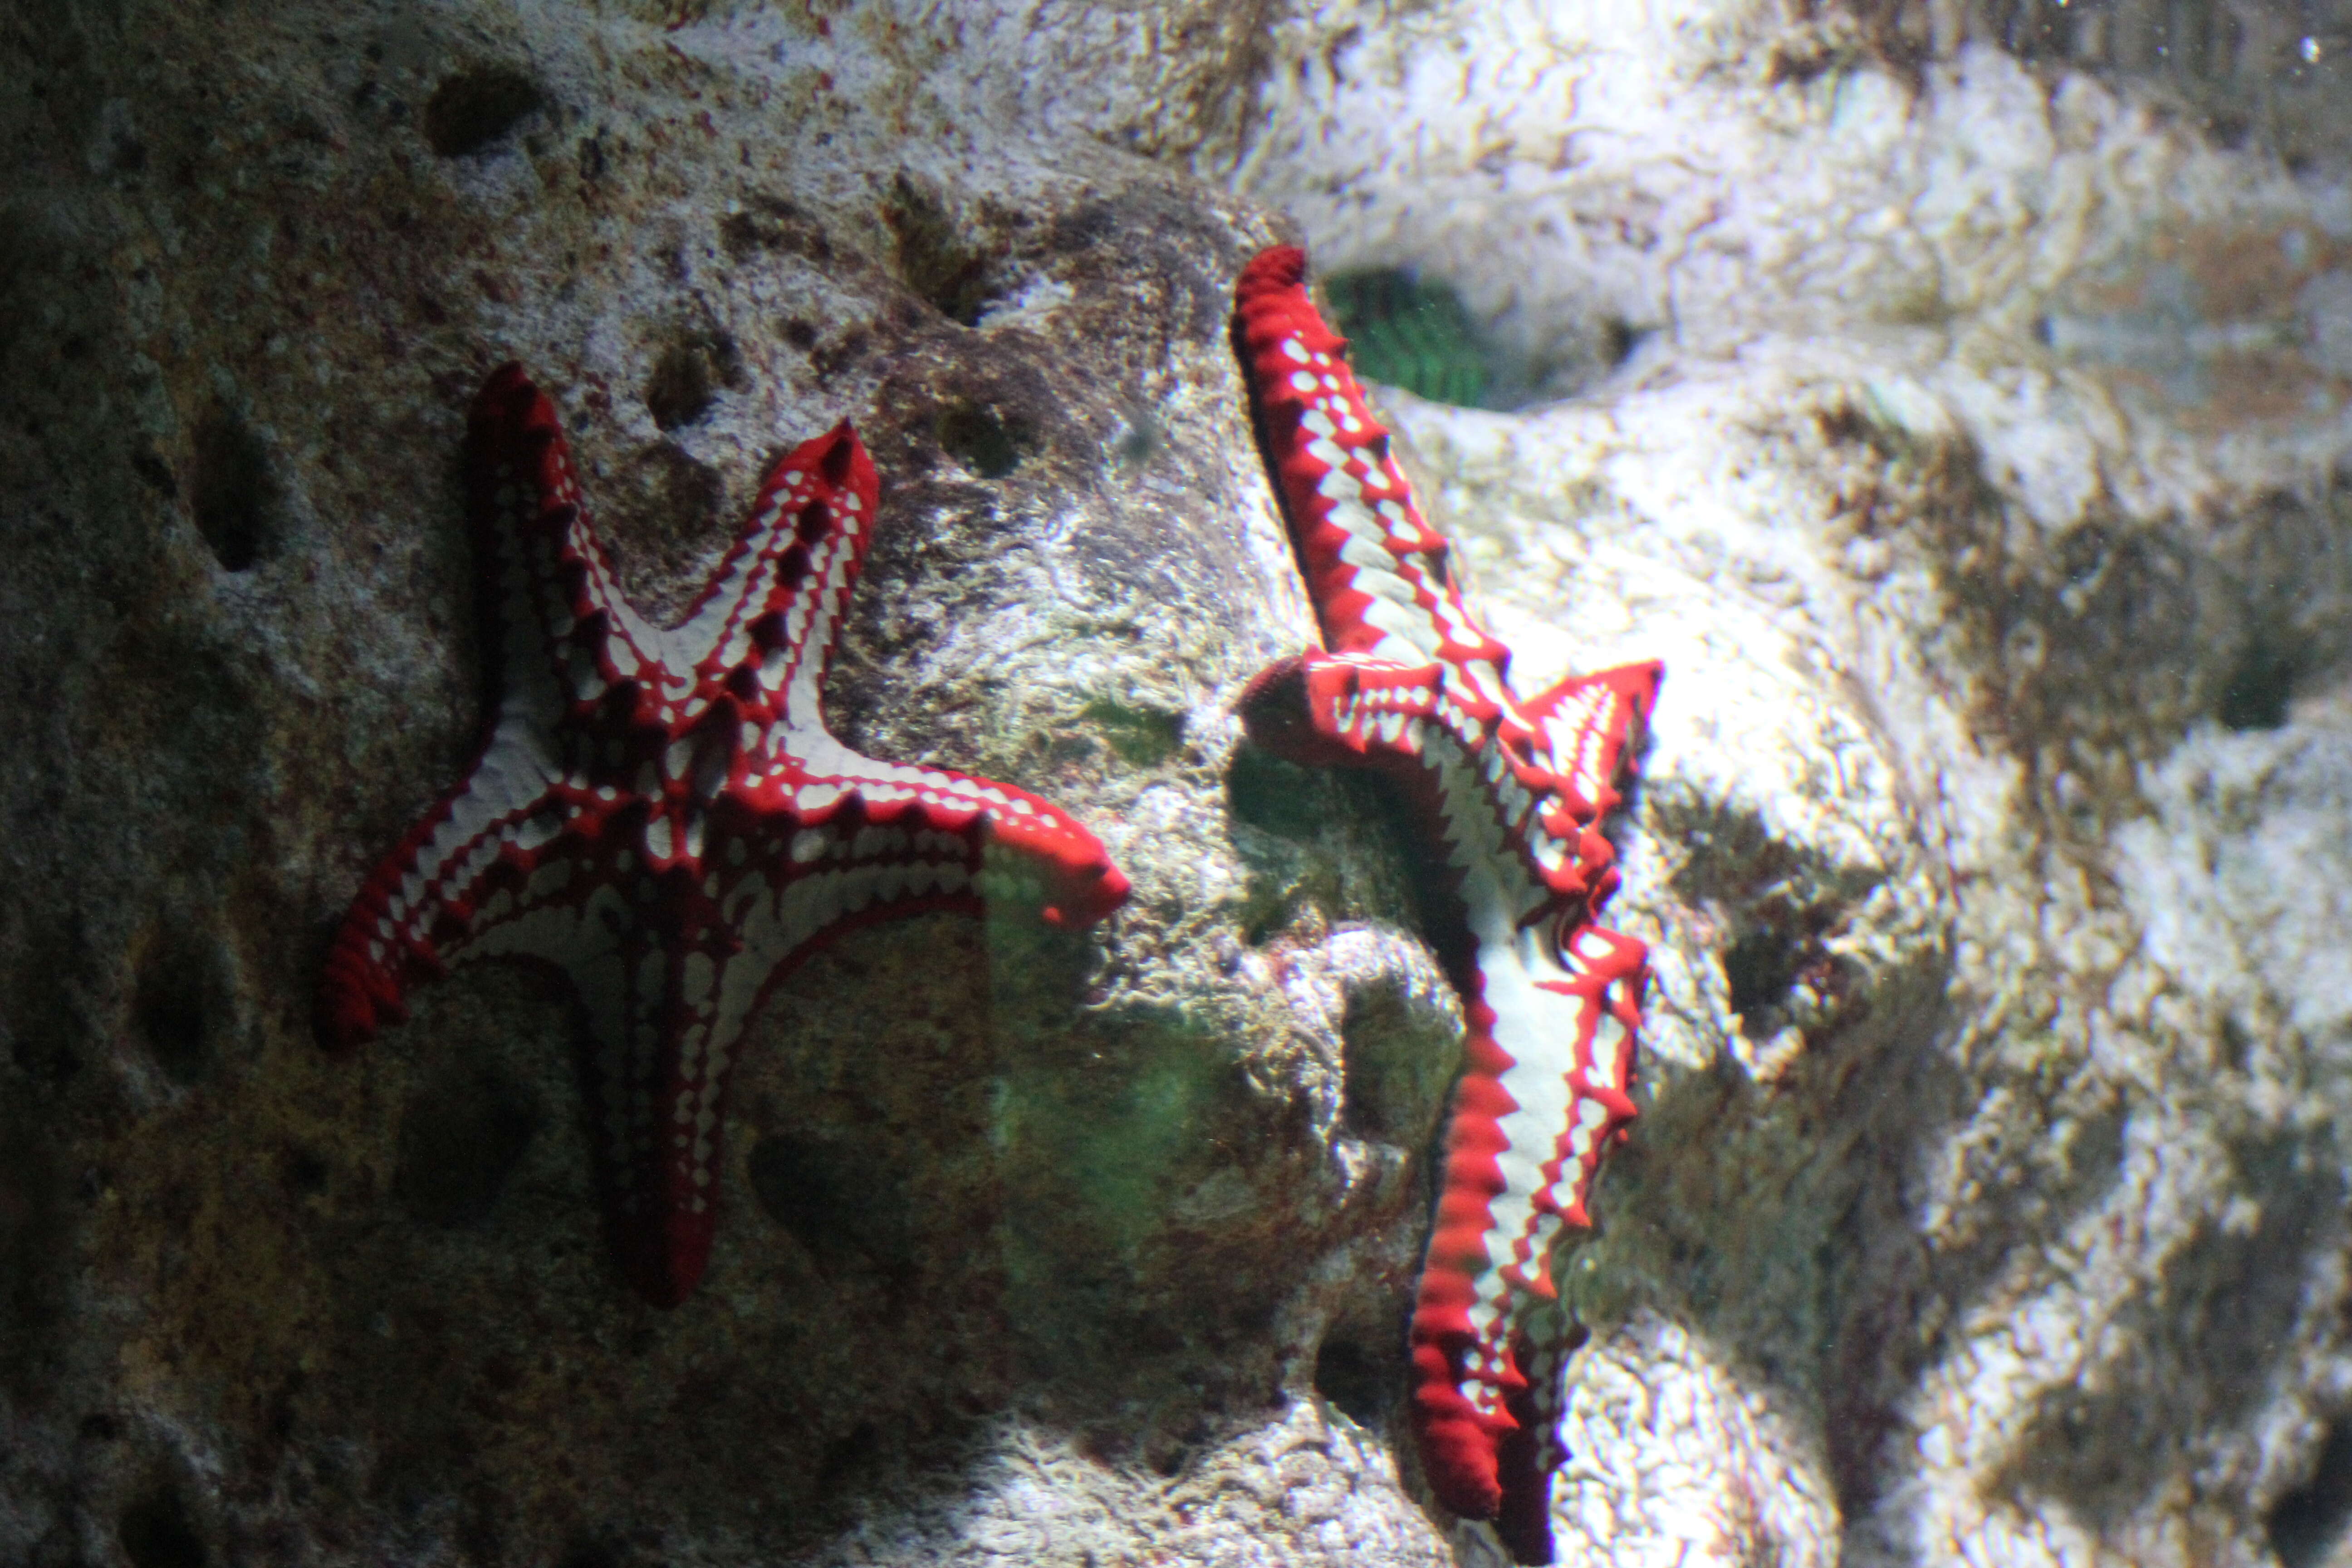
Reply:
x=2255, y=696
x=852, y=1461
x=473, y=108
x=460, y=1139
x=154, y=472
x=687, y=378
x=234, y=493
x=171, y=1011
x=988, y=445
x=1412, y=331
x=306, y=1174
x=1761, y=967
x=156, y=1534
x=2308, y=1521
x=1389, y=1085
x=936, y=259
x=1141, y=734
x=1359, y=1383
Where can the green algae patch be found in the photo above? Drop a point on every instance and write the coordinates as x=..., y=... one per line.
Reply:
x=1414, y=332
x=1103, y=1148
x=1140, y=736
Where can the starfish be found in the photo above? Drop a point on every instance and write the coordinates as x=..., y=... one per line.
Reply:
x=662, y=817
x=1510, y=794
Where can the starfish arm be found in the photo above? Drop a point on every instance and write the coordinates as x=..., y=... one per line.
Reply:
x=423, y=902
x=1592, y=725
x=1375, y=569
x=551, y=596
x=782, y=586
x=1034, y=847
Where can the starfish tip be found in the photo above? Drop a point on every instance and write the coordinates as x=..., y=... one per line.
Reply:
x=662, y=1267
x=1275, y=267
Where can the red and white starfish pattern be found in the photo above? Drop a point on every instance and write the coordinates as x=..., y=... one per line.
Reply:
x=662, y=815
x=1511, y=794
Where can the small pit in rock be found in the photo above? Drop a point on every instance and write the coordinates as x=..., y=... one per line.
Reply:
x=174, y=1004
x=1760, y=966
x=990, y=446
x=2307, y=1522
x=157, y=1533
x=816, y=1190
x=460, y=1139
x=1359, y=1383
x=473, y=108
x=1272, y=796
x=2256, y=695
x=234, y=494
x=936, y=259
x=688, y=377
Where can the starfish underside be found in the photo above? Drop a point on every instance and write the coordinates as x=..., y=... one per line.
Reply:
x=662, y=817
x=1511, y=794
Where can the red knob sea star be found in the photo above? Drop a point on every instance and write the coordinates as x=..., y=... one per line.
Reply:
x=1511, y=794
x=662, y=815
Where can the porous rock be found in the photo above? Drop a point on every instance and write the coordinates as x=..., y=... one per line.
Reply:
x=1055, y=1221
x=1987, y=1204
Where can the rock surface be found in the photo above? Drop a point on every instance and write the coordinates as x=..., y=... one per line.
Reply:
x=1965, y=443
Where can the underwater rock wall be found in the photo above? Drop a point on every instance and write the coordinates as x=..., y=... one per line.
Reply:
x=1964, y=441
x=1027, y=1240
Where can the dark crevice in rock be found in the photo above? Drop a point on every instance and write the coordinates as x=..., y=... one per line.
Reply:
x=1392, y=1082
x=174, y=1006
x=772, y=224
x=235, y=493
x=460, y=1141
x=2225, y=1298
x=1358, y=1383
x=1141, y=735
x=2305, y=1522
x=306, y=1172
x=937, y=259
x=35, y=1250
x=473, y=108
x=1760, y=965
x=1274, y=797
x=154, y=472
x=830, y=1202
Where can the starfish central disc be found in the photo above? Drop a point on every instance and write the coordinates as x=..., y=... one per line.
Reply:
x=661, y=816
